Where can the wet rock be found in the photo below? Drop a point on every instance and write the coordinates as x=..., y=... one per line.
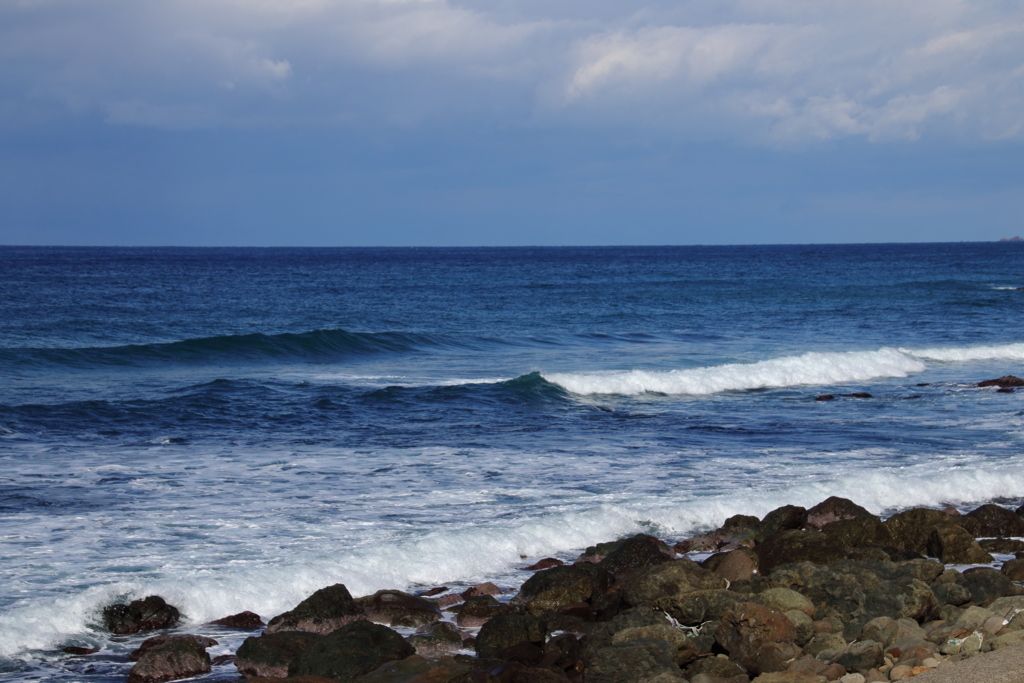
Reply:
x=546, y=563
x=174, y=658
x=635, y=661
x=861, y=656
x=478, y=611
x=834, y=509
x=994, y=520
x=550, y=589
x=1003, y=382
x=563, y=653
x=503, y=633
x=489, y=588
x=354, y=649
x=635, y=553
x=156, y=641
x=600, y=635
x=825, y=397
x=951, y=593
x=953, y=545
x=668, y=580
x=395, y=608
x=696, y=607
x=77, y=650
x=794, y=545
x=760, y=639
x=245, y=621
x=912, y=528
x=322, y=612
x=270, y=654
x=1003, y=546
x=150, y=614
x=857, y=532
x=686, y=650
x=436, y=640
x=987, y=584
x=781, y=519
x=415, y=669
x=436, y=590
x=734, y=565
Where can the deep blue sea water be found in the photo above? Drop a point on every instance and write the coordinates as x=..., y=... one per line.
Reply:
x=235, y=428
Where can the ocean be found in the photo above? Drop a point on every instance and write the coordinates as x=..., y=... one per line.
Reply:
x=233, y=429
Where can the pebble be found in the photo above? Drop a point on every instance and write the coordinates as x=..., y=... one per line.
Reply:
x=852, y=678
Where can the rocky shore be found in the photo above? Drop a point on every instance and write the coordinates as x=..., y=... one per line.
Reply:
x=800, y=596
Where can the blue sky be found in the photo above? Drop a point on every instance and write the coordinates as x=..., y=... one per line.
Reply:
x=438, y=122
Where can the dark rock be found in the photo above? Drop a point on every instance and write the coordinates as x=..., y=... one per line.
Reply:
x=596, y=553
x=221, y=660
x=1005, y=391
x=437, y=639
x=1003, y=546
x=356, y=648
x=550, y=589
x=871, y=553
x=269, y=655
x=563, y=653
x=137, y=616
x=243, y=620
x=414, y=669
x=715, y=666
x=174, y=658
x=953, y=545
x=738, y=524
x=696, y=607
x=912, y=528
x=987, y=584
x=637, y=553
x=395, y=608
x=1014, y=570
x=546, y=563
x=436, y=590
x=601, y=634
x=504, y=632
x=735, y=565
x=477, y=611
x=324, y=611
x=881, y=630
x=794, y=545
x=952, y=593
x=686, y=649
x=76, y=650
x=861, y=656
x=654, y=585
x=634, y=661
x=757, y=637
x=834, y=509
x=781, y=519
x=1003, y=382
x=860, y=531
x=156, y=641
x=476, y=591
x=825, y=397
x=994, y=520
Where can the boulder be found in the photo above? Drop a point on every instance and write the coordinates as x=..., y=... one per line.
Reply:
x=719, y=667
x=833, y=509
x=953, y=545
x=475, y=612
x=174, y=658
x=1014, y=570
x=696, y=607
x=861, y=656
x=414, y=669
x=994, y=520
x=635, y=553
x=601, y=634
x=150, y=614
x=354, y=649
x=395, y=608
x=322, y=612
x=987, y=584
x=760, y=639
x=686, y=650
x=802, y=624
x=912, y=528
x=825, y=642
x=156, y=641
x=1004, y=382
x=246, y=621
x=635, y=661
x=488, y=588
x=857, y=532
x=951, y=593
x=785, y=599
x=668, y=580
x=436, y=640
x=546, y=563
x=269, y=655
x=781, y=519
x=502, y=633
x=794, y=545
x=734, y=565
x=1003, y=546
x=881, y=630
x=790, y=676
x=550, y=589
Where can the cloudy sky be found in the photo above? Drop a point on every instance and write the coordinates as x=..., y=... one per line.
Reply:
x=463, y=122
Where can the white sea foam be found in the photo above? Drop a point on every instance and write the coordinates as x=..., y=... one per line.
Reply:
x=806, y=369
x=969, y=353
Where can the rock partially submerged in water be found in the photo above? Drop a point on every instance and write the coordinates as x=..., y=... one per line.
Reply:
x=323, y=612
x=396, y=608
x=270, y=654
x=1003, y=382
x=149, y=614
x=169, y=658
x=352, y=650
x=243, y=620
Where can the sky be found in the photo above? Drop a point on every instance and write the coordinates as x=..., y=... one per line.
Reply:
x=562, y=122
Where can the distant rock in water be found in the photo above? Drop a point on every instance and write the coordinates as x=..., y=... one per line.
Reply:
x=172, y=658
x=243, y=620
x=140, y=615
x=1015, y=238
x=1003, y=382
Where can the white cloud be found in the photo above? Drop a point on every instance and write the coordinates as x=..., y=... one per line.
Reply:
x=771, y=71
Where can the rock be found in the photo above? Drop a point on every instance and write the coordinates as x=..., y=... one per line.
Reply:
x=1011, y=639
x=269, y=655
x=600, y=635
x=987, y=584
x=489, y=588
x=994, y=520
x=477, y=611
x=503, y=633
x=686, y=651
x=176, y=657
x=322, y=612
x=1004, y=546
x=546, y=563
x=906, y=650
x=447, y=600
x=1013, y=570
x=802, y=625
x=632, y=662
x=246, y=621
x=825, y=642
x=414, y=669
x=834, y=509
x=859, y=531
x=785, y=599
x=156, y=641
x=973, y=619
x=1003, y=382
x=1007, y=607
x=825, y=397
x=395, y=608
x=720, y=667
x=881, y=630
x=834, y=671
x=781, y=519
x=436, y=640
x=150, y=614
x=354, y=649
x=853, y=678
x=951, y=593
x=668, y=580
x=549, y=589
x=953, y=545
x=861, y=656
x=759, y=638
x=635, y=553
x=77, y=650
x=735, y=565
x=794, y=545
x=436, y=590
x=912, y=528
x=899, y=672
x=696, y=607
x=789, y=677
